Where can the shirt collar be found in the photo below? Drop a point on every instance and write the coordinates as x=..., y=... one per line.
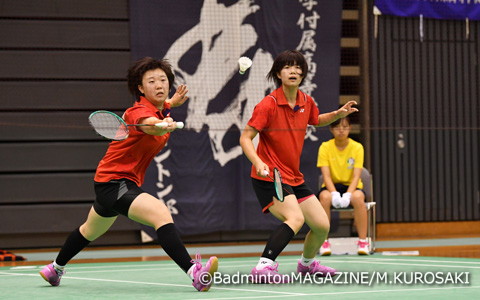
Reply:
x=165, y=112
x=282, y=100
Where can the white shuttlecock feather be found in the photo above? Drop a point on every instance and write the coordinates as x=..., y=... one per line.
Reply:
x=244, y=63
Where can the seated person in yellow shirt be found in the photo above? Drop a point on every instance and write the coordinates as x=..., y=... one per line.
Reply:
x=341, y=161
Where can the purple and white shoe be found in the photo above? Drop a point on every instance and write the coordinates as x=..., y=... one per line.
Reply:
x=316, y=269
x=52, y=275
x=268, y=274
x=203, y=275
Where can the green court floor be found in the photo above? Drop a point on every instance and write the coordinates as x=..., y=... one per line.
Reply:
x=372, y=277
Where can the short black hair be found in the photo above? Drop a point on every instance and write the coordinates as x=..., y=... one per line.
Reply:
x=142, y=66
x=287, y=58
x=337, y=122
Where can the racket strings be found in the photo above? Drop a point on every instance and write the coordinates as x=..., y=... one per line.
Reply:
x=277, y=177
x=109, y=126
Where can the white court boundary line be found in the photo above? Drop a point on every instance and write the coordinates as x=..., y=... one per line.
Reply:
x=404, y=264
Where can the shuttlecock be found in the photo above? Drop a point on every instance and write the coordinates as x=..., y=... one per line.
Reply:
x=244, y=63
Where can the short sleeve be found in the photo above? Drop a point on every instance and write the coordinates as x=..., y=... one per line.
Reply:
x=322, y=159
x=359, y=156
x=314, y=112
x=262, y=114
x=133, y=115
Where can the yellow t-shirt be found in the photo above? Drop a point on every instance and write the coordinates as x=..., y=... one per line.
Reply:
x=343, y=162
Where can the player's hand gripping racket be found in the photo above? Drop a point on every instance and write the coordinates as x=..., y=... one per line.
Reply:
x=113, y=127
x=277, y=182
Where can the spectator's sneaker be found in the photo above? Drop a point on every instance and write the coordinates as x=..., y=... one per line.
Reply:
x=363, y=248
x=268, y=274
x=203, y=276
x=315, y=269
x=325, y=249
x=52, y=275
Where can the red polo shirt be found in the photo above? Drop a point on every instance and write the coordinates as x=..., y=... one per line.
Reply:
x=282, y=133
x=130, y=158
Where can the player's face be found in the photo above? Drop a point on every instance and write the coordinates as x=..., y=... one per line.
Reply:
x=341, y=131
x=291, y=76
x=155, y=86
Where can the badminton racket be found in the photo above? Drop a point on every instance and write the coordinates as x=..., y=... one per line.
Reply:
x=277, y=182
x=113, y=127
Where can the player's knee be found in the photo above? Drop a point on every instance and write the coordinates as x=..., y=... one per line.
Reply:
x=161, y=222
x=358, y=195
x=320, y=229
x=89, y=233
x=358, y=203
x=296, y=221
x=325, y=198
x=323, y=226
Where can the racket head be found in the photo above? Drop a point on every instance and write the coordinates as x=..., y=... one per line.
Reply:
x=108, y=125
x=277, y=181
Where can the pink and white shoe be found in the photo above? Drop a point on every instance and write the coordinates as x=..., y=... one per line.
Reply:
x=52, y=275
x=269, y=275
x=203, y=275
x=325, y=249
x=363, y=248
x=316, y=269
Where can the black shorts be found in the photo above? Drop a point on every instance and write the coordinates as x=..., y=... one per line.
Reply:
x=341, y=188
x=265, y=191
x=115, y=197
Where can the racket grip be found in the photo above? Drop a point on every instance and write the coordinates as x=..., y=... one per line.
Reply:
x=265, y=172
x=180, y=125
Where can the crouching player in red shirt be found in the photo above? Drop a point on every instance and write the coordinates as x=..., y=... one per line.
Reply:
x=122, y=170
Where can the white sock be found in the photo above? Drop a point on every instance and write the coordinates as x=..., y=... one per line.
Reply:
x=363, y=241
x=190, y=271
x=306, y=262
x=58, y=267
x=263, y=262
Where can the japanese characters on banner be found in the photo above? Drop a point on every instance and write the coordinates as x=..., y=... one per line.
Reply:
x=437, y=9
x=202, y=175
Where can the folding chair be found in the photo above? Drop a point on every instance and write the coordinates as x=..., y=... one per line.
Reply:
x=366, y=178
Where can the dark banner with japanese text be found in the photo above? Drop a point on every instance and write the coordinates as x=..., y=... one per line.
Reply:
x=202, y=174
x=436, y=9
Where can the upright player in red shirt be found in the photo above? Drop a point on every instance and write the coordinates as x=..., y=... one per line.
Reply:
x=121, y=172
x=281, y=118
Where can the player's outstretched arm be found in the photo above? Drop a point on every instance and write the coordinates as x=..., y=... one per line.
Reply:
x=158, y=130
x=328, y=118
